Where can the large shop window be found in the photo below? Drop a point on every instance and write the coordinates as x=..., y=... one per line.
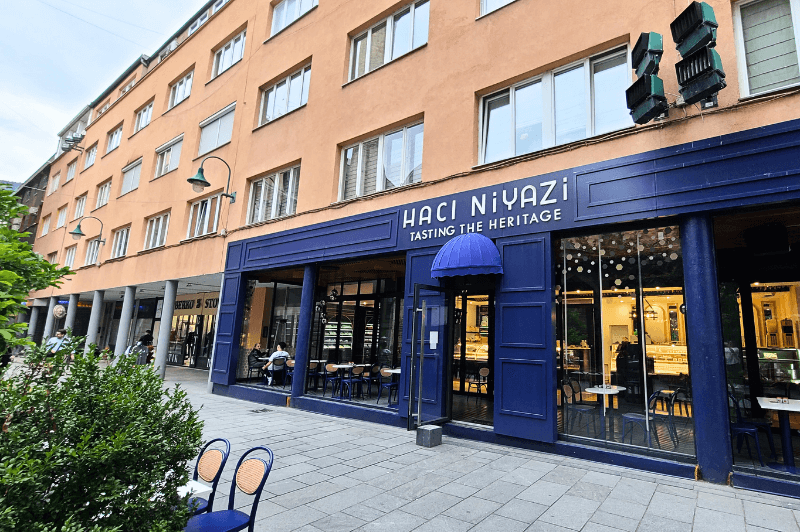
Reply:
x=622, y=358
x=274, y=196
x=558, y=107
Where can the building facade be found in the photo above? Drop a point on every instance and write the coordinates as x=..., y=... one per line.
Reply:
x=457, y=210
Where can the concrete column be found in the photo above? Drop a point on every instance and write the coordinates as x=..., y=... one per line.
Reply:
x=72, y=311
x=49, y=319
x=125, y=320
x=32, y=322
x=304, y=327
x=94, y=318
x=167, y=310
x=706, y=350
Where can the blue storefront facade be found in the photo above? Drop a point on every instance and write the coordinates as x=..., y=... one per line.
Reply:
x=683, y=186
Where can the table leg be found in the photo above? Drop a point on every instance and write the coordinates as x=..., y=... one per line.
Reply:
x=786, y=439
x=602, y=421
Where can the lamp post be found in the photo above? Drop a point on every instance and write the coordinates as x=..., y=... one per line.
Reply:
x=77, y=234
x=199, y=181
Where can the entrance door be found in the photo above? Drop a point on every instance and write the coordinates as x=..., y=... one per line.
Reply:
x=472, y=360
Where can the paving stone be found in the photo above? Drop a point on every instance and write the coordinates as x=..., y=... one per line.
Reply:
x=565, y=475
x=602, y=479
x=396, y=521
x=443, y=523
x=633, y=490
x=593, y=492
x=473, y=510
x=597, y=527
x=719, y=503
x=307, y=494
x=338, y=522
x=679, y=491
x=385, y=502
x=293, y=519
x=431, y=505
x=706, y=520
x=459, y=490
x=543, y=526
x=672, y=507
x=345, y=498
x=655, y=523
x=480, y=478
x=523, y=476
x=543, y=492
x=500, y=491
x=631, y=510
x=614, y=521
x=494, y=523
x=519, y=510
x=570, y=512
x=363, y=512
x=770, y=517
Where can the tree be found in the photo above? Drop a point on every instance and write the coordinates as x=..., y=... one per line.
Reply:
x=21, y=270
x=92, y=449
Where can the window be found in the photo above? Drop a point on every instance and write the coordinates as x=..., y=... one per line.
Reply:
x=80, y=205
x=92, y=252
x=767, y=45
x=120, y=246
x=229, y=54
x=391, y=38
x=91, y=155
x=62, y=217
x=52, y=257
x=128, y=86
x=389, y=161
x=130, y=177
x=103, y=192
x=114, y=138
x=69, y=256
x=168, y=156
x=104, y=108
x=181, y=90
x=54, y=183
x=203, y=217
x=288, y=11
x=556, y=108
x=143, y=117
x=218, y=5
x=46, y=225
x=198, y=22
x=286, y=95
x=274, y=196
x=156, y=231
x=216, y=130
x=487, y=6
x=71, y=171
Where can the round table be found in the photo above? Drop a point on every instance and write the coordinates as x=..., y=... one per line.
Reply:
x=606, y=389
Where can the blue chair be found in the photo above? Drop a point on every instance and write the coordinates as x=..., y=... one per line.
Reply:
x=746, y=427
x=288, y=376
x=331, y=376
x=391, y=386
x=354, y=379
x=574, y=411
x=372, y=376
x=209, y=467
x=634, y=419
x=250, y=477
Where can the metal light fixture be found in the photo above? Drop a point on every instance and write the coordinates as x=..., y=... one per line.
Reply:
x=200, y=183
x=77, y=233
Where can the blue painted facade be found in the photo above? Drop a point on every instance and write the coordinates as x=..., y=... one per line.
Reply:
x=687, y=182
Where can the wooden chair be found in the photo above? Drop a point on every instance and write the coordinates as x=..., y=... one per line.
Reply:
x=481, y=382
x=355, y=378
x=208, y=467
x=332, y=376
x=288, y=375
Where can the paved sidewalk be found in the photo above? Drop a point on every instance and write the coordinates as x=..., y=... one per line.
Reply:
x=334, y=474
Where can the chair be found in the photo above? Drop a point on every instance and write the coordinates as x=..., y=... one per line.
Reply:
x=650, y=418
x=373, y=374
x=208, y=467
x=250, y=477
x=288, y=375
x=481, y=381
x=577, y=393
x=256, y=368
x=391, y=386
x=313, y=373
x=331, y=375
x=749, y=427
x=355, y=378
x=574, y=411
x=278, y=364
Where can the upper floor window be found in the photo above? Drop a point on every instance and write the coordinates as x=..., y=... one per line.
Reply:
x=156, y=234
x=382, y=163
x=114, y=138
x=62, y=217
x=52, y=257
x=274, y=196
x=120, y=246
x=130, y=177
x=104, y=107
x=80, y=206
x=217, y=129
x=103, y=193
x=54, y=182
x=558, y=107
x=229, y=54
x=143, y=117
x=128, y=86
x=46, y=225
x=286, y=95
x=487, y=6
x=71, y=170
x=91, y=155
x=168, y=156
x=218, y=5
x=767, y=40
x=203, y=217
x=198, y=22
x=181, y=90
x=389, y=39
x=92, y=252
x=69, y=256
x=288, y=11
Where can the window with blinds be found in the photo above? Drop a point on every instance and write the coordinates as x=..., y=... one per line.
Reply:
x=130, y=177
x=770, y=47
x=274, y=196
x=216, y=130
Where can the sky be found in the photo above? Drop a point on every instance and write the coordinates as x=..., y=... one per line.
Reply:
x=56, y=56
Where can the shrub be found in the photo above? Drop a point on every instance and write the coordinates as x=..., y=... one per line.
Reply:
x=92, y=449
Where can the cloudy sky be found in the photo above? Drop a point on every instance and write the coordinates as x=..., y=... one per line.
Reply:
x=59, y=55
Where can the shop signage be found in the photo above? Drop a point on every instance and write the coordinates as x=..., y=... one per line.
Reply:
x=197, y=304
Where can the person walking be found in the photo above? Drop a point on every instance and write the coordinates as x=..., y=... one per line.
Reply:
x=53, y=345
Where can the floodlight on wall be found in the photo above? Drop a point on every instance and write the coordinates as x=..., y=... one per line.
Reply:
x=200, y=183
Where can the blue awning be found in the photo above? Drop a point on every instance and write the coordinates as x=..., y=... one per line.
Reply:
x=468, y=254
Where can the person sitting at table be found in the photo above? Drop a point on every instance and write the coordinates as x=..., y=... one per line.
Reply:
x=254, y=358
x=270, y=367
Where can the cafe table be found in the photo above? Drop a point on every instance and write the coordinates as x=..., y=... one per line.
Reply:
x=604, y=390
x=783, y=410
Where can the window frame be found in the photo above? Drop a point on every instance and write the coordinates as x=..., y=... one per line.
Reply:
x=389, y=43
x=218, y=54
x=69, y=256
x=164, y=148
x=199, y=21
x=218, y=5
x=741, y=54
x=304, y=92
x=143, y=117
x=103, y=192
x=115, y=133
x=54, y=182
x=61, y=219
x=192, y=233
x=46, y=225
x=273, y=31
x=71, y=168
x=187, y=81
x=294, y=187
x=484, y=12
x=91, y=156
x=211, y=119
x=52, y=257
x=549, y=119
x=125, y=171
x=163, y=231
x=80, y=201
x=119, y=246
x=93, y=250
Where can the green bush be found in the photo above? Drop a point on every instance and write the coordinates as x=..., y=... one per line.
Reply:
x=92, y=449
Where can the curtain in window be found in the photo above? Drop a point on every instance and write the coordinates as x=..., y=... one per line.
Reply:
x=769, y=44
x=369, y=170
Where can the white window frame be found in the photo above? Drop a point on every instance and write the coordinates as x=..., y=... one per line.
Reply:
x=69, y=256
x=54, y=182
x=128, y=86
x=103, y=109
x=157, y=230
x=166, y=152
x=218, y=5
x=46, y=225
x=219, y=68
x=387, y=52
x=114, y=139
x=131, y=177
x=182, y=88
x=92, y=252
x=741, y=56
x=103, y=194
x=119, y=248
x=274, y=30
x=143, y=117
x=294, y=182
x=548, y=100
x=62, y=217
x=71, y=170
x=199, y=21
x=210, y=120
x=303, y=72
x=485, y=12
x=52, y=258
x=80, y=206
x=206, y=230
x=91, y=155
x=379, y=184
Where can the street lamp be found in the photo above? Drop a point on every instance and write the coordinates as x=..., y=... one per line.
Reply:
x=199, y=181
x=77, y=233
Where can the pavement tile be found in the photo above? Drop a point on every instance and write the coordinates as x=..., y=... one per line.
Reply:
x=602, y=479
x=523, y=476
x=293, y=519
x=672, y=507
x=770, y=517
x=365, y=513
x=719, y=503
x=570, y=512
x=431, y=505
x=420, y=486
x=680, y=492
x=597, y=527
x=614, y=521
x=494, y=523
x=706, y=520
x=459, y=490
x=345, y=498
x=336, y=470
x=519, y=510
x=543, y=492
x=633, y=490
x=443, y=523
x=385, y=502
x=369, y=473
x=564, y=475
x=654, y=523
x=631, y=510
x=500, y=491
x=307, y=494
x=593, y=492
x=283, y=486
x=473, y=510
x=338, y=522
x=480, y=478
x=544, y=526
x=396, y=521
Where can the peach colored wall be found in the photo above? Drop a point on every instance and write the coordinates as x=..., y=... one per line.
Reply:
x=466, y=57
